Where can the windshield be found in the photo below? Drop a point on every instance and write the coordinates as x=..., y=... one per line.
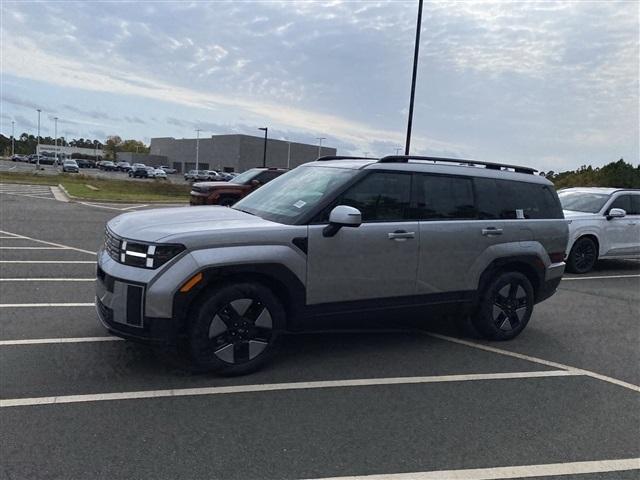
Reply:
x=245, y=177
x=582, y=201
x=293, y=194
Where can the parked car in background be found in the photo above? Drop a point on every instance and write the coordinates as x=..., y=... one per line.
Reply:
x=603, y=223
x=123, y=166
x=159, y=173
x=167, y=169
x=140, y=172
x=328, y=241
x=192, y=175
x=227, y=193
x=108, y=166
x=84, y=163
x=70, y=166
x=17, y=158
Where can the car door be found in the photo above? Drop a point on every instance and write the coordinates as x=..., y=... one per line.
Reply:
x=623, y=233
x=379, y=258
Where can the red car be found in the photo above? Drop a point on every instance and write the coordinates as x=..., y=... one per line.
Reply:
x=228, y=193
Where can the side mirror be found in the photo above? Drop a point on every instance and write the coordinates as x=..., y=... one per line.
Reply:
x=616, y=213
x=342, y=216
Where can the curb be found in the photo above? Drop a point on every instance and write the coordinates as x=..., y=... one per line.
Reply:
x=60, y=193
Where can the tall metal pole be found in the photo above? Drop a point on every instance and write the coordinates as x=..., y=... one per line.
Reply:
x=320, y=145
x=264, y=154
x=398, y=150
x=407, y=145
x=13, y=136
x=38, y=145
x=197, y=147
x=55, y=134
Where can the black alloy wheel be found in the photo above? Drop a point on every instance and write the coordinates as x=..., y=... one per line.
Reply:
x=583, y=256
x=236, y=329
x=505, y=306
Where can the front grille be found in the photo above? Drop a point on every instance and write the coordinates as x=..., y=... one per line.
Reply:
x=112, y=245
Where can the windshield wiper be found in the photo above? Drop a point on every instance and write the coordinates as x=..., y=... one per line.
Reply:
x=244, y=211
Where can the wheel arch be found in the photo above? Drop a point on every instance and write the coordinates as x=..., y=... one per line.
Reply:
x=590, y=235
x=530, y=266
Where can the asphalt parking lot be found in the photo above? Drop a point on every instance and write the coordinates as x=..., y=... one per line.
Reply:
x=560, y=401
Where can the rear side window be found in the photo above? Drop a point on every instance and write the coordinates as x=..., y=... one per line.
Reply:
x=505, y=199
x=268, y=175
x=380, y=197
x=441, y=197
x=635, y=205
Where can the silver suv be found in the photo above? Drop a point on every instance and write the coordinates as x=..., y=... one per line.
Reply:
x=337, y=238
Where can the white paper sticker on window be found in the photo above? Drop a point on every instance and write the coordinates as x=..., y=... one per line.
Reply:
x=519, y=213
x=299, y=204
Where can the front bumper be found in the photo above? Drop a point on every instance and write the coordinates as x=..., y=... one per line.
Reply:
x=198, y=198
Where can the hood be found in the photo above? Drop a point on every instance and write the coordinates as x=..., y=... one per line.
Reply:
x=209, y=185
x=573, y=215
x=172, y=224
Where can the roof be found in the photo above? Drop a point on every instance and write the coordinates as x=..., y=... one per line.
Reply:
x=603, y=190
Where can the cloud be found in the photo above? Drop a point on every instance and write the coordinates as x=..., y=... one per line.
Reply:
x=21, y=102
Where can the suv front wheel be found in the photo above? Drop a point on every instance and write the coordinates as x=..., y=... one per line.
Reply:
x=505, y=306
x=236, y=329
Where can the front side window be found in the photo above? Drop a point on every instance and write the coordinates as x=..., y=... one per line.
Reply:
x=623, y=202
x=440, y=197
x=635, y=205
x=380, y=197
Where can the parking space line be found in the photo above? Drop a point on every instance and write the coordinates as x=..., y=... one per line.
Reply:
x=496, y=473
x=44, y=279
x=25, y=195
x=40, y=305
x=55, y=341
x=602, y=276
x=49, y=261
x=270, y=387
x=49, y=243
x=540, y=361
x=33, y=248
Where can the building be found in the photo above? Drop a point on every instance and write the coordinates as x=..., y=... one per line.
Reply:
x=232, y=153
x=68, y=152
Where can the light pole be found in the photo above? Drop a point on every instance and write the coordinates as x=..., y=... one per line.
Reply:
x=264, y=154
x=365, y=154
x=320, y=145
x=197, y=147
x=55, y=136
x=13, y=136
x=413, y=79
x=398, y=149
x=38, y=144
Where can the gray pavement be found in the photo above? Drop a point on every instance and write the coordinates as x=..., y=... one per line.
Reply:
x=590, y=324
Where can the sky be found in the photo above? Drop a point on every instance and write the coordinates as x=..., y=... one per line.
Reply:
x=553, y=85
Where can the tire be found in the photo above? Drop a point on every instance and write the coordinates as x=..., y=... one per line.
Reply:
x=505, y=307
x=236, y=330
x=227, y=201
x=583, y=256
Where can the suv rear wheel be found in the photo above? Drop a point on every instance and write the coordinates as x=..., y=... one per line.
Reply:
x=505, y=306
x=236, y=330
x=583, y=256
x=227, y=201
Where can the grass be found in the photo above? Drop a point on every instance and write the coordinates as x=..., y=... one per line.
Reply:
x=107, y=190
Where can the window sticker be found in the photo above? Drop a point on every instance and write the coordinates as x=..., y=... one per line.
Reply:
x=519, y=213
x=300, y=204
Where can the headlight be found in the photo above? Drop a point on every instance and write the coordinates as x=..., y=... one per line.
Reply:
x=138, y=254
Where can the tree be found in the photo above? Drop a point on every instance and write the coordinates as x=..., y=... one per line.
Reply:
x=112, y=146
x=135, y=146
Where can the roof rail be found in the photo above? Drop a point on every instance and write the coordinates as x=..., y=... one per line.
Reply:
x=327, y=158
x=458, y=161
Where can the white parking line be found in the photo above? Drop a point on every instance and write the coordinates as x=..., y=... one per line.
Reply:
x=55, y=341
x=602, y=276
x=541, y=361
x=40, y=305
x=49, y=243
x=47, y=279
x=49, y=261
x=33, y=248
x=497, y=473
x=269, y=387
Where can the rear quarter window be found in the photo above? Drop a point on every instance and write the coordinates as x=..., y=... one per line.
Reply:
x=506, y=199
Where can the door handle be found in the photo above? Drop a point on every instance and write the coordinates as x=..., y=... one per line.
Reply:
x=487, y=232
x=401, y=235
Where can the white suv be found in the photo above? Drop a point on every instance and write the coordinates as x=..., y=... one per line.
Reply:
x=603, y=223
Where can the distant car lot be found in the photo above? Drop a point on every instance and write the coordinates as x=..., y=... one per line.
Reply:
x=563, y=394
